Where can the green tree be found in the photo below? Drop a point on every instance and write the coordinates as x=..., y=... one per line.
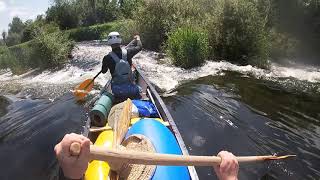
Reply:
x=16, y=26
x=128, y=7
x=64, y=13
x=106, y=11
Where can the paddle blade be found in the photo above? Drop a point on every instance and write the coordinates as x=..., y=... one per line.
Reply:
x=122, y=124
x=83, y=89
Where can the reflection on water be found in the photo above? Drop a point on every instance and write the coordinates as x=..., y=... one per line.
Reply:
x=249, y=116
x=244, y=115
x=28, y=133
x=277, y=111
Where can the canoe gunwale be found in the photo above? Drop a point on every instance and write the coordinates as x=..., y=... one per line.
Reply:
x=167, y=117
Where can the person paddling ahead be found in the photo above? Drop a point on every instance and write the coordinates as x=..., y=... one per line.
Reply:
x=74, y=167
x=119, y=62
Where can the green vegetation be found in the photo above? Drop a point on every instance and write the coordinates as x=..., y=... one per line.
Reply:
x=236, y=30
x=242, y=36
x=7, y=60
x=188, y=47
x=125, y=27
x=53, y=49
x=89, y=33
x=47, y=41
x=241, y=31
x=69, y=14
x=15, y=32
x=154, y=20
x=47, y=50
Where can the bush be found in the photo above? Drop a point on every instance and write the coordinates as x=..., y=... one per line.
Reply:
x=127, y=29
x=22, y=56
x=188, y=47
x=47, y=50
x=95, y=32
x=13, y=39
x=6, y=58
x=155, y=18
x=84, y=34
x=240, y=34
x=34, y=29
x=51, y=49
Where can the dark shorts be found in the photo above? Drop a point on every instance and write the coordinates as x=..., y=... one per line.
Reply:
x=124, y=91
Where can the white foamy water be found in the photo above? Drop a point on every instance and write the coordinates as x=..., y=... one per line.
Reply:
x=87, y=59
x=167, y=76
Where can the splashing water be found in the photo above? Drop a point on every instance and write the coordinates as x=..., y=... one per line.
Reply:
x=86, y=63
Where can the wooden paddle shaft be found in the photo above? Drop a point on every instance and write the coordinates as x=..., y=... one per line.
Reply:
x=98, y=129
x=134, y=157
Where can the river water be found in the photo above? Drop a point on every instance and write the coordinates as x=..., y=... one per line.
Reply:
x=242, y=109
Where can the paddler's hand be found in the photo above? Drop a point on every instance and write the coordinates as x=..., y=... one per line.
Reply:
x=229, y=167
x=136, y=37
x=73, y=166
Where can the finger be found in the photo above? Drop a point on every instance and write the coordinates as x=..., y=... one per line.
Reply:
x=57, y=148
x=216, y=168
x=232, y=158
x=222, y=153
x=235, y=164
x=223, y=165
x=68, y=140
x=85, y=151
x=226, y=160
x=78, y=136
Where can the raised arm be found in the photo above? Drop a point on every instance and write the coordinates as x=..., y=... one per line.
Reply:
x=134, y=46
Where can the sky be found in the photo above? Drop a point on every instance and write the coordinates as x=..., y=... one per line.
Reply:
x=24, y=9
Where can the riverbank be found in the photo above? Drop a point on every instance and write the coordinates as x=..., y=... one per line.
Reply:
x=242, y=32
x=51, y=50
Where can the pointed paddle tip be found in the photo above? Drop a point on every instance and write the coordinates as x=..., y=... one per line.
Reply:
x=281, y=157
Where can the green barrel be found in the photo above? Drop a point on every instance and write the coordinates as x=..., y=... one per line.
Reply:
x=101, y=109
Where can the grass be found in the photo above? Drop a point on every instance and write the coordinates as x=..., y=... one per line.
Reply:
x=188, y=47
